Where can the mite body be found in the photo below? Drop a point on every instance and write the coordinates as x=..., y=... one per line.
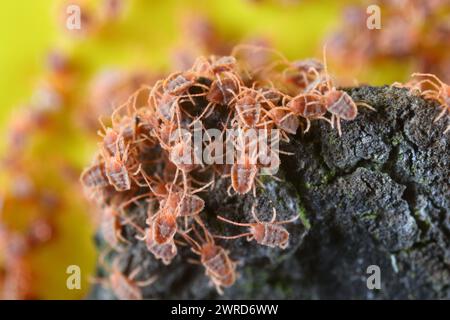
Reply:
x=183, y=156
x=184, y=205
x=219, y=267
x=221, y=92
x=165, y=252
x=111, y=228
x=249, y=107
x=117, y=174
x=113, y=143
x=438, y=90
x=341, y=106
x=303, y=73
x=271, y=234
x=337, y=102
x=95, y=176
x=164, y=226
x=243, y=176
x=125, y=287
x=177, y=84
x=309, y=106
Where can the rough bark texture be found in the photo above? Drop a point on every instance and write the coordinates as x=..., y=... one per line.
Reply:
x=377, y=195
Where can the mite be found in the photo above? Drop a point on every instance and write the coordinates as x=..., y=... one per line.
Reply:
x=248, y=105
x=338, y=102
x=271, y=234
x=113, y=142
x=221, y=92
x=125, y=287
x=178, y=84
x=164, y=252
x=111, y=228
x=117, y=171
x=216, y=67
x=95, y=176
x=164, y=226
x=284, y=120
x=308, y=106
x=243, y=176
x=303, y=73
x=219, y=267
x=117, y=174
x=438, y=91
x=185, y=205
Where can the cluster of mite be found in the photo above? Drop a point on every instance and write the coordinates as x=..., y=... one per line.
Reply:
x=138, y=159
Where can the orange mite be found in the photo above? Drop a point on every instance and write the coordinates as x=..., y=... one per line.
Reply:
x=165, y=252
x=438, y=91
x=243, y=176
x=338, y=102
x=219, y=267
x=111, y=228
x=95, y=176
x=125, y=287
x=270, y=234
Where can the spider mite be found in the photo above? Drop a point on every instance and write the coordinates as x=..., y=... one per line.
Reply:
x=221, y=92
x=176, y=204
x=179, y=83
x=216, y=67
x=166, y=105
x=182, y=154
x=248, y=105
x=244, y=170
x=309, y=106
x=338, y=102
x=186, y=204
x=243, y=176
x=111, y=227
x=124, y=287
x=164, y=222
x=219, y=267
x=284, y=120
x=113, y=142
x=94, y=176
x=303, y=73
x=126, y=123
x=164, y=226
x=438, y=91
x=270, y=234
x=117, y=172
x=257, y=49
x=164, y=252
x=146, y=122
